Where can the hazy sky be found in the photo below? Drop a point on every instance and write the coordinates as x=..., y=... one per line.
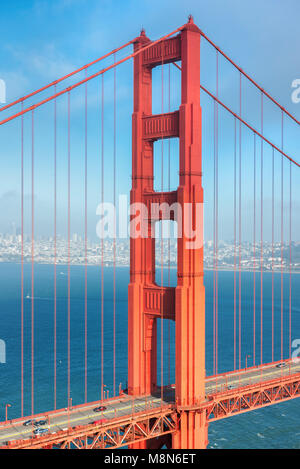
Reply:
x=45, y=39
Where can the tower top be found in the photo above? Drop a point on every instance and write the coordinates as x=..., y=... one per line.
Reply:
x=190, y=25
x=142, y=38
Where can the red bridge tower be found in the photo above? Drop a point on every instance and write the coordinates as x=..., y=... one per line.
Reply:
x=147, y=301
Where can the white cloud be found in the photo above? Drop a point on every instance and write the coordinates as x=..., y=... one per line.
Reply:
x=47, y=62
x=16, y=83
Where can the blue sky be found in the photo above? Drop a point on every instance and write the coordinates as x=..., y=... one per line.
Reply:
x=45, y=39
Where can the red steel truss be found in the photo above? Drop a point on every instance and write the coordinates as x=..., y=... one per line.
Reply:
x=163, y=425
x=114, y=434
x=252, y=397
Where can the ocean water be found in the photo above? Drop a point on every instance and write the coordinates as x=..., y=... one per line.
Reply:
x=273, y=427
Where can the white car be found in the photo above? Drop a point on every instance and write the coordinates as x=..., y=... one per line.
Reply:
x=281, y=365
x=40, y=431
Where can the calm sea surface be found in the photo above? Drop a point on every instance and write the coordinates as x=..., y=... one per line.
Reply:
x=274, y=427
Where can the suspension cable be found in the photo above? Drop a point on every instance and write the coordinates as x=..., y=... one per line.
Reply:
x=59, y=80
x=91, y=77
x=249, y=78
x=212, y=96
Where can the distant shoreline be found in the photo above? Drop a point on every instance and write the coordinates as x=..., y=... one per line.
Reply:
x=209, y=269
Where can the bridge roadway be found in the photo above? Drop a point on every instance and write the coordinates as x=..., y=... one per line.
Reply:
x=123, y=405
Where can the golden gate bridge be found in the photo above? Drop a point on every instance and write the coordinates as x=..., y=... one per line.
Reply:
x=149, y=414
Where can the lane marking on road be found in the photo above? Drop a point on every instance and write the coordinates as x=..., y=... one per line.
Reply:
x=90, y=416
x=251, y=378
x=267, y=372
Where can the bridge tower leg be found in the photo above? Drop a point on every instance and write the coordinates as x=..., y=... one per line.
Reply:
x=186, y=303
x=141, y=327
x=190, y=294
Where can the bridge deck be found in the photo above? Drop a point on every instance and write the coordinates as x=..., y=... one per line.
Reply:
x=250, y=376
x=123, y=407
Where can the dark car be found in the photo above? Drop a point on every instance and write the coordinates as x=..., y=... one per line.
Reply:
x=40, y=423
x=281, y=365
x=101, y=408
x=28, y=422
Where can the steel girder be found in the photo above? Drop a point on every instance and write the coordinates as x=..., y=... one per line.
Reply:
x=252, y=397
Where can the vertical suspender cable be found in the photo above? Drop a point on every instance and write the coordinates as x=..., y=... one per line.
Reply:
x=85, y=243
x=214, y=253
x=22, y=263
x=254, y=252
x=273, y=213
x=261, y=233
x=114, y=242
x=234, y=235
x=281, y=327
x=69, y=253
x=290, y=286
x=55, y=259
x=102, y=243
x=32, y=265
x=240, y=228
x=217, y=208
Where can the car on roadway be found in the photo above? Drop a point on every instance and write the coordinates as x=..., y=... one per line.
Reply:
x=29, y=422
x=40, y=423
x=281, y=365
x=101, y=408
x=40, y=431
x=100, y=422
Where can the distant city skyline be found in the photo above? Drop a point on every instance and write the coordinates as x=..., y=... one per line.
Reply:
x=227, y=259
